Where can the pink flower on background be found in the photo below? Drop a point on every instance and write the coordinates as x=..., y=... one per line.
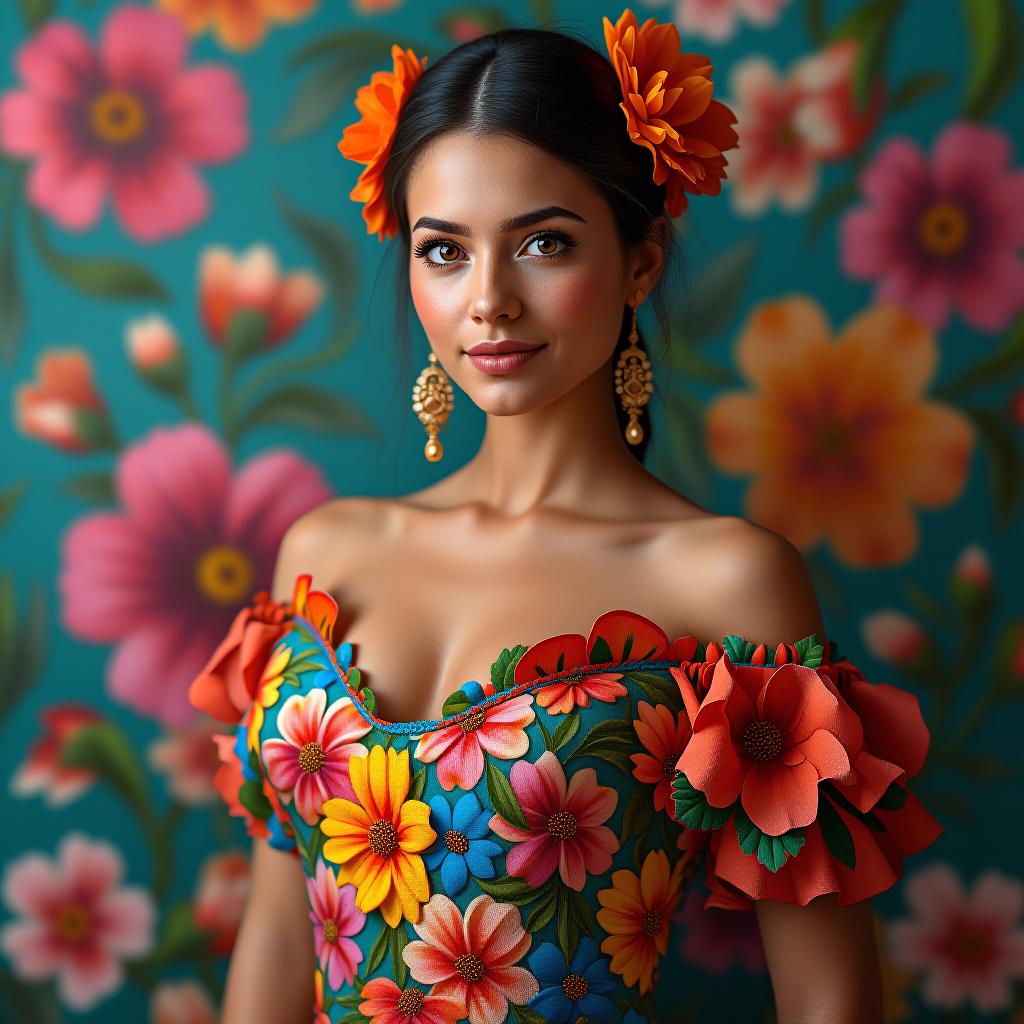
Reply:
x=125, y=118
x=221, y=895
x=565, y=823
x=77, y=921
x=181, y=1002
x=42, y=770
x=489, y=935
x=942, y=233
x=717, y=19
x=188, y=757
x=893, y=636
x=164, y=577
x=310, y=763
x=968, y=944
x=254, y=281
x=335, y=920
x=459, y=749
x=789, y=124
x=51, y=408
x=715, y=939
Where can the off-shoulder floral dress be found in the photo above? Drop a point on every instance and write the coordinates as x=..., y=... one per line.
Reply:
x=521, y=858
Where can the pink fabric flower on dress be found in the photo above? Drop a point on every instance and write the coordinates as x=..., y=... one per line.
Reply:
x=335, y=920
x=310, y=762
x=945, y=232
x=459, y=749
x=164, y=577
x=77, y=921
x=484, y=945
x=565, y=824
x=385, y=1003
x=968, y=944
x=125, y=119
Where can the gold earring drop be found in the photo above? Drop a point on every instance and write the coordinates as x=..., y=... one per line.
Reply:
x=634, y=381
x=432, y=400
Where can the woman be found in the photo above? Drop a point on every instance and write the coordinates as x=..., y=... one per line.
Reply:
x=663, y=697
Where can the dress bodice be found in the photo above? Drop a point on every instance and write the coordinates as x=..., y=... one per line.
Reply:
x=521, y=858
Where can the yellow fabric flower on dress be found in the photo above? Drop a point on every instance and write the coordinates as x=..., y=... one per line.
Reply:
x=268, y=690
x=668, y=106
x=377, y=842
x=636, y=913
x=368, y=141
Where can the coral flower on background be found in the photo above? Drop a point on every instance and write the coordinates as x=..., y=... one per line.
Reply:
x=335, y=920
x=838, y=435
x=716, y=20
x=189, y=759
x=310, y=761
x=164, y=576
x=60, y=407
x=253, y=281
x=377, y=839
x=222, y=892
x=238, y=24
x=77, y=922
x=666, y=97
x=181, y=1002
x=125, y=119
x=489, y=934
x=942, y=234
x=565, y=823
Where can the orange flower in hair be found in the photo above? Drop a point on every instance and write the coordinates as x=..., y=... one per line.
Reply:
x=668, y=107
x=368, y=141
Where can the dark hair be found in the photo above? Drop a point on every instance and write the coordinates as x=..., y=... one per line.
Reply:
x=555, y=92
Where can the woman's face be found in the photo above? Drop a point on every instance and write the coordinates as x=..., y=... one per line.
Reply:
x=556, y=277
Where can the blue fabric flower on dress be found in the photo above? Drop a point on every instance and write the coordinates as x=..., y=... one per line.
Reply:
x=460, y=847
x=547, y=962
x=632, y=1017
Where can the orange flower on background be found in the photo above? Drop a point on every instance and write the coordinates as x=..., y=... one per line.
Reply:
x=668, y=107
x=368, y=141
x=238, y=24
x=837, y=434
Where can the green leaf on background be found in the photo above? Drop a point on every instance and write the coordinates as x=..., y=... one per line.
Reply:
x=106, y=751
x=180, y=936
x=512, y=890
x=993, y=33
x=657, y=689
x=836, y=833
x=12, y=301
x=9, y=499
x=993, y=368
x=566, y=925
x=815, y=21
x=1007, y=671
x=693, y=809
x=351, y=43
x=717, y=294
x=418, y=785
x=101, y=277
x=830, y=203
x=321, y=95
x=1004, y=462
x=684, y=455
x=306, y=408
x=549, y=742
x=871, y=25
x=771, y=851
x=609, y=740
x=35, y=12
x=503, y=798
x=639, y=813
x=565, y=730
x=544, y=910
x=524, y=1015
x=926, y=605
x=22, y=643
x=543, y=12
x=34, y=1002
x=96, y=488
x=917, y=87
x=378, y=950
x=397, y=941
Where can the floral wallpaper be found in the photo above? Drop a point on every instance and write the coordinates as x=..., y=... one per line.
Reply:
x=194, y=353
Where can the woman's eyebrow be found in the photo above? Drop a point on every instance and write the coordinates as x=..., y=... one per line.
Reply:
x=522, y=220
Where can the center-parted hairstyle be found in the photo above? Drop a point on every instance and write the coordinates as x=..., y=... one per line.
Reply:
x=639, y=124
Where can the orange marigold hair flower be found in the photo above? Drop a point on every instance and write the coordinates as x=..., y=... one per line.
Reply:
x=368, y=141
x=668, y=107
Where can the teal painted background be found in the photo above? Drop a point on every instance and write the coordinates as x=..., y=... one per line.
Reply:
x=938, y=613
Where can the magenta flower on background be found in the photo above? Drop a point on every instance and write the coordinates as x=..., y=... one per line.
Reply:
x=163, y=577
x=715, y=939
x=968, y=944
x=942, y=233
x=77, y=922
x=310, y=762
x=125, y=118
x=565, y=823
x=335, y=919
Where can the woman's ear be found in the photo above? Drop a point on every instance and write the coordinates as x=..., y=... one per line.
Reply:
x=648, y=259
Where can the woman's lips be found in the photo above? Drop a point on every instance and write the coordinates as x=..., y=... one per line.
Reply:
x=504, y=362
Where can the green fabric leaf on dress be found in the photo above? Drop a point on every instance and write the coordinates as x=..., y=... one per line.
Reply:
x=771, y=851
x=693, y=809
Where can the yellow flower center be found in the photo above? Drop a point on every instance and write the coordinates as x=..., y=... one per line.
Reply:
x=410, y=1002
x=330, y=931
x=470, y=967
x=117, y=116
x=224, y=574
x=73, y=922
x=650, y=923
x=575, y=987
x=382, y=837
x=456, y=841
x=312, y=758
x=473, y=721
x=943, y=228
x=562, y=825
x=762, y=740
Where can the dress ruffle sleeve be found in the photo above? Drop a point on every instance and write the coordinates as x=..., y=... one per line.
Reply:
x=794, y=780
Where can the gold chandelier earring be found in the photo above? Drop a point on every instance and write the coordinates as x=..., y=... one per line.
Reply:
x=634, y=381
x=432, y=401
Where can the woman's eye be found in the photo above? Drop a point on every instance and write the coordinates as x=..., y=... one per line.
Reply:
x=453, y=250
x=547, y=246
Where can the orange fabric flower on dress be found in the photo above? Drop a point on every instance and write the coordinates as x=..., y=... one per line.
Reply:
x=668, y=107
x=368, y=141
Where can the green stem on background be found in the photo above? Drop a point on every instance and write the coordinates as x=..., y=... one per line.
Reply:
x=189, y=407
